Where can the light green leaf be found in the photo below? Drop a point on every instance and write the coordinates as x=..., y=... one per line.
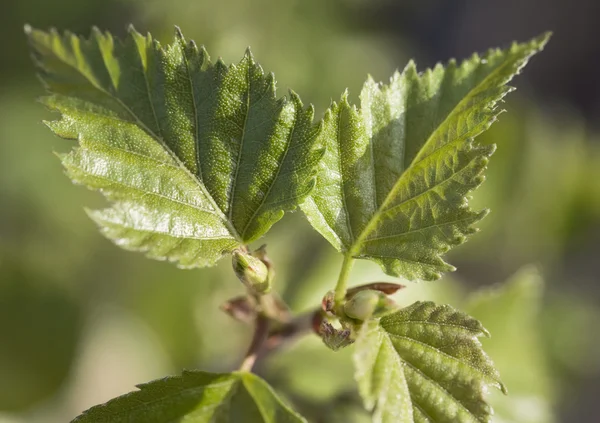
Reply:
x=197, y=157
x=511, y=312
x=424, y=363
x=393, y=183
x=196, y=397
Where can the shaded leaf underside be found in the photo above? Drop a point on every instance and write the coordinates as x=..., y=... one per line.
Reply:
x=196, y=397
x=424, y=364
x=393, y=183
x=198, y=157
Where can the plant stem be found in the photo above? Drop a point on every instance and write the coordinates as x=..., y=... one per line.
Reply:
x=265, y=340
x=261, y=332
x=298, y=326
x=342, y=284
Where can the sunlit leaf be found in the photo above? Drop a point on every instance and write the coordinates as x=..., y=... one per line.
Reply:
x=197, y=157
x=424, y=363
x=394, y=181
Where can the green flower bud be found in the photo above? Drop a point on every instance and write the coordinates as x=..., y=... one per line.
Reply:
x=366, y=303
x=252, y=272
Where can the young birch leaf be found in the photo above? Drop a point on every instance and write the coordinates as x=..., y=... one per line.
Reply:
x=197, y=157
x=393, y=183
x=423, y=364
x=196, y=397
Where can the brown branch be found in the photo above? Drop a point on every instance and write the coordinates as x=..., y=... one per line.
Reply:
x=261, y=332
x=289, y=332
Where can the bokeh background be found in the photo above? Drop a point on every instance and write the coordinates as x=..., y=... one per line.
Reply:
x=82, y=321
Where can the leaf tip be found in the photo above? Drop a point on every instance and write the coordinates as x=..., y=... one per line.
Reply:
x=483, y=213
x=410, y=69
x=179, y=35
x=95, y=215
x=485, y=332
x=344, y=99
x=542, y=39
x=503, y=388
x=293, y=94
x=47, y=123
x=61, y=156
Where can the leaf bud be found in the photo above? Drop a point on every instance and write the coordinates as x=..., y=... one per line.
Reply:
x=367, y=303
x=251, y=271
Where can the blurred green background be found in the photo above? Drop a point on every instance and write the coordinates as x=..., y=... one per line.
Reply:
x=82, y=321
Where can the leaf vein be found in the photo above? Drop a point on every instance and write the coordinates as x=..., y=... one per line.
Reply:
x=452, y=222
x=274, y=179
x=437, y=350
x=440, y=388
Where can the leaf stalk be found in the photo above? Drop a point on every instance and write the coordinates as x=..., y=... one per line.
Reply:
x=342, y=284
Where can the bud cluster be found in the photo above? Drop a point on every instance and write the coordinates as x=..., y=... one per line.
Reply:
x=361, y=303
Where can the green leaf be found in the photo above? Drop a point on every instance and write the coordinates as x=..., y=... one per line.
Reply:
x=424, y=363
x=197, y=157
x=511, y=311
x=393, y=184
x=197, y=397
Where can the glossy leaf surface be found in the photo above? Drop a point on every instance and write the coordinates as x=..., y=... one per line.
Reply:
x=197, y=157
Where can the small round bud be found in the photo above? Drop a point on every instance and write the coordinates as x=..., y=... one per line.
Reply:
x=366, y=303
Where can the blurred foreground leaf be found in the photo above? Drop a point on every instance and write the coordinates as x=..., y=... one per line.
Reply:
x=197, y=397
x=424, y=363
x=197, y=157
x=512, y=314
x=393, y=183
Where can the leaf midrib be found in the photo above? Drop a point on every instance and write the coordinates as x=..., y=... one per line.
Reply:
x=421, y=229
